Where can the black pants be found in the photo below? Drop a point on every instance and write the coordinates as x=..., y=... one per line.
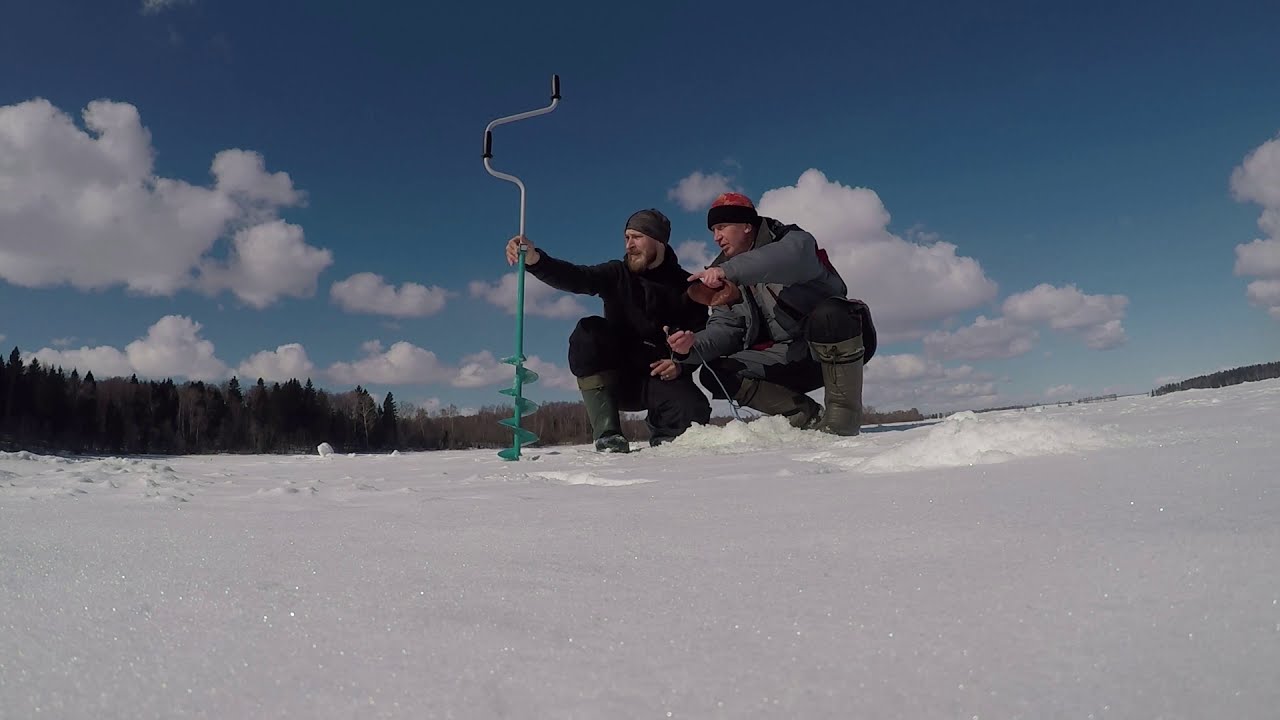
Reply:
x=672, y=405
x=790, y=364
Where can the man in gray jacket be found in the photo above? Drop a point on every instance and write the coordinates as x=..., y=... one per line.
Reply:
x=780, y=325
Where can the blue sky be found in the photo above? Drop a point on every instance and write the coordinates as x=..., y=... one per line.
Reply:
x=1037, y=201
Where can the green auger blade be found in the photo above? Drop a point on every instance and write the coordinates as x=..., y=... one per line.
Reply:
x=522, y=436
x=523, y=373
x=523, y=406
x=511, y=391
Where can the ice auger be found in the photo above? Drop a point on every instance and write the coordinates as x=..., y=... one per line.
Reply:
x=523, y=376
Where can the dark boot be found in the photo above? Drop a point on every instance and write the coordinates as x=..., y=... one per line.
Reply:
x=773, y=399
x=602, y=412
x=842, y=381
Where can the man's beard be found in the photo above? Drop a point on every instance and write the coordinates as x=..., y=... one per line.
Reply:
x=640, y=260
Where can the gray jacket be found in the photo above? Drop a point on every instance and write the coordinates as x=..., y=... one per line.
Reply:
x=782, y=279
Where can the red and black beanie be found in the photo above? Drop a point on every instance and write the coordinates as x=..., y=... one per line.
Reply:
x=732, y=207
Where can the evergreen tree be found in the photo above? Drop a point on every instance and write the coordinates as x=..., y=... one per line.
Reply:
x=387, y=424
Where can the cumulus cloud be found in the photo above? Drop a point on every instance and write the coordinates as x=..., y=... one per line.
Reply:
x=406, y=364
x=983, y=340
x=402, y=364
x=1257, y=180
x=429, y=405
x=539, y=297
x=697, y=190
x=1258, y=258
x=695, y=255
x=103, y=361
x=172, y=347
x=286, y=362
x=551, y=375
x=908, y=380
x=908, y=285
x=1097, y=318
x=83, y=207
x=267, y=262
x=369, y=293
x=483, y=369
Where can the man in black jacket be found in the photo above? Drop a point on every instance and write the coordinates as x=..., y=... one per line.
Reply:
x=621, y=360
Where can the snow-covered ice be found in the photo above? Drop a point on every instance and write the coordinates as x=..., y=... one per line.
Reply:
x=1118, y=559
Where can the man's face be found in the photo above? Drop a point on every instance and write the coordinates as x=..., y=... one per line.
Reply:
x=643, y=252
x=733, y=238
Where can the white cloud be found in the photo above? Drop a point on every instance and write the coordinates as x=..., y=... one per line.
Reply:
x=1259, y=258
x=402, y=364
x=1257, y=179
x=1265, y=293
x=907, y=284
x=551, y=375
x=1109, y=334
x=894, y=382
x=286, y=362
x=1060, y=391
x=984, y=339
x=539, y=298
x=371, y=347
x=483, y=368
x=369, y=293
x=172, y=348
x=268, y=261
x=696, y=191
x=968, y=391
x=150, y=7
x=1096, y=317
x=900, y=368
x=695, y=255
x=83, y=207
x=243, y=175
x=59, y=342
x=102, y=361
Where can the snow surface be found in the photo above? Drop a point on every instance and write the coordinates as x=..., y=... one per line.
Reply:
x=1117, y=560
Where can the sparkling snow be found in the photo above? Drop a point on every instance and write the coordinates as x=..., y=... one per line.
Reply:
x=1118, y=559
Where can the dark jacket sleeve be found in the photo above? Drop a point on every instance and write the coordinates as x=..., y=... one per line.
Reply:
x=577, y=279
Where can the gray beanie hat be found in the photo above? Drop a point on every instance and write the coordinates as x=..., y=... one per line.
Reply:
x=652, y=223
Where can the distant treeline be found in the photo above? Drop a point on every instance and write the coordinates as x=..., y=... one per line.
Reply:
x=44, y=408
x=1223, y=378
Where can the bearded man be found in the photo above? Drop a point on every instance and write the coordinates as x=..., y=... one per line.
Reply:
x=621, y=360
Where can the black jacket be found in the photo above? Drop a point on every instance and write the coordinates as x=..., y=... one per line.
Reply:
x=636, y=304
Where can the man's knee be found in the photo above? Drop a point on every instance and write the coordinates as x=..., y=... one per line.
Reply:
x=832, y=321
x=674, y=405
x=590, y=329
x=591, y=349
x=722, y=376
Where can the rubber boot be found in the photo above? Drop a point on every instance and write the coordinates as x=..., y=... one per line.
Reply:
x=842, y=383
x=602, y=412
x=772, y=399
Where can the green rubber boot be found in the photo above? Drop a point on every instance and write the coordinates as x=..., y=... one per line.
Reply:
x=602, y=412
x=842, y=382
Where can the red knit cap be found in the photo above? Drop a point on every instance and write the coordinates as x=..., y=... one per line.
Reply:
x=732, y=207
